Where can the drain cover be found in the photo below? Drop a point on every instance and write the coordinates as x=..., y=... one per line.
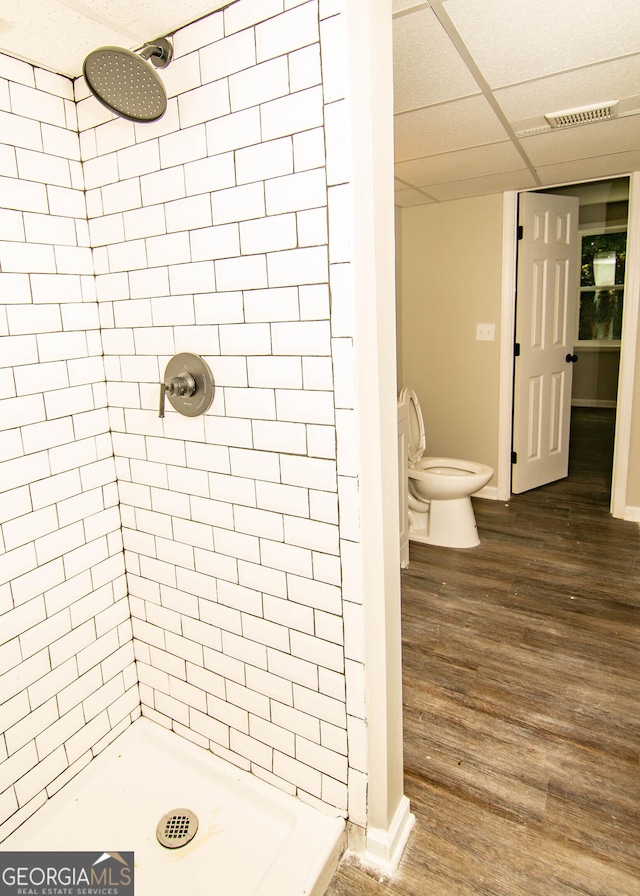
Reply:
x=177, y=828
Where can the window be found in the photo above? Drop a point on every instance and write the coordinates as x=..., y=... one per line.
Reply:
x=603, y=257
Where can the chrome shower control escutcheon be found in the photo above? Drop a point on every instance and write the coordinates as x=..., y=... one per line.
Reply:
x=188, y=384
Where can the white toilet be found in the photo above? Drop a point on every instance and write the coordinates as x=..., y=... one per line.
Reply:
x=440, y=489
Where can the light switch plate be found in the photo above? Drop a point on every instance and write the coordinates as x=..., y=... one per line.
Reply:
x=485, y=332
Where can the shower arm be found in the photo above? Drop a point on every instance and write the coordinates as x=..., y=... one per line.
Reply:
x=159, y=53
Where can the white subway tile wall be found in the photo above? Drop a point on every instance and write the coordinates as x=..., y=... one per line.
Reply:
x=67, y=671
x=212, y=231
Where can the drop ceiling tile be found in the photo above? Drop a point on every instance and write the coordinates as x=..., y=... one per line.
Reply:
x=613, y=80
x=590, y=169
x=149, y=19
x=568, y=144
x=513, y=41
x=52, y=35
x=477, y=161
x=446, y=127
x=119, y=14
x=427, y=68
x=408, y=198
x=400, y=6
x=483, y=186
x=58, y=34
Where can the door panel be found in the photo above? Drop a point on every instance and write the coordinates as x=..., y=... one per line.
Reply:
x=556, y=440
x=535, y=407
x=545, y=311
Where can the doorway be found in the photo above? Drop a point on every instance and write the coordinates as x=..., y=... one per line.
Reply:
x=627, y=346
x=584, y=325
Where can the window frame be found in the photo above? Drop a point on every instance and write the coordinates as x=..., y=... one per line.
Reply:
x=621, y=287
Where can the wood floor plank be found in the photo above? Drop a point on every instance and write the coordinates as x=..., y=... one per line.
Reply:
x=521, y=662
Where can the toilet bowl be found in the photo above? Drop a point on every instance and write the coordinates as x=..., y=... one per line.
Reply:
x=440, y=489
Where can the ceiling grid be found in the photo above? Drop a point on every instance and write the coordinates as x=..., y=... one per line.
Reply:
x=526, y=61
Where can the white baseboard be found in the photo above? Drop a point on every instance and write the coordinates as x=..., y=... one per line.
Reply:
x=632, y=514
x=384, y=848
x=489, y=491
x=592, y=403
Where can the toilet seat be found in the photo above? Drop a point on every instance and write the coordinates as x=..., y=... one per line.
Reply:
x=450, y=466
x=446, y=478
x=417, y=439
x=417, y=444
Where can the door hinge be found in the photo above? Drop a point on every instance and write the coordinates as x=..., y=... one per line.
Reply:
x=516, y=350
x=520, y=232
x=514, y=457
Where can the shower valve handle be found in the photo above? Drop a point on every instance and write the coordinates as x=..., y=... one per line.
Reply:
x=188, y=384
x=183, y=386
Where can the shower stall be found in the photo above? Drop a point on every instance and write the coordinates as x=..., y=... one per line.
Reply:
x=206, y=573
x=122, y=799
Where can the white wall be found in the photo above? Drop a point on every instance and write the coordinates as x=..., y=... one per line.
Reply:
x=222, y=230
x=67, y=673
x=451, y=269
x=595, y=378
x=372, y=272
x=633, y=481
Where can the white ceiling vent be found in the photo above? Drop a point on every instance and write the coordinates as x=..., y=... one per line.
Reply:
x=583, y=115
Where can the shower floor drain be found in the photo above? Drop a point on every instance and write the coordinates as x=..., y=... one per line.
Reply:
x=177, y=828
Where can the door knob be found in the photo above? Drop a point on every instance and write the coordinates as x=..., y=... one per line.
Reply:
x=571, y=359
x=188, y=383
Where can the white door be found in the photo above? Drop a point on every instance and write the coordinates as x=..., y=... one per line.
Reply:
x=545, y=328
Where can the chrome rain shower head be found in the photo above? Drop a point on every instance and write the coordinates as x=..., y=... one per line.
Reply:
x=126, y=83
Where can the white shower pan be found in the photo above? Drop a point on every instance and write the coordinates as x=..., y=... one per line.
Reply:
x=251, y=839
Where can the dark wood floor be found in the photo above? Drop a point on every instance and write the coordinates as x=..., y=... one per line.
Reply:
x=522, y=698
